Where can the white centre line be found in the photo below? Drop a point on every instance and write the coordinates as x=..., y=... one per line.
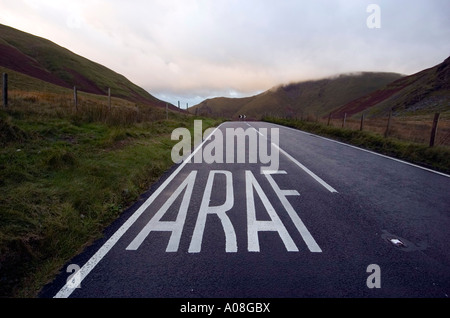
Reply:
x=312, y=174
x=365, y=150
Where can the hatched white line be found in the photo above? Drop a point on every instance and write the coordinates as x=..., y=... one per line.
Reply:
x=69, y=288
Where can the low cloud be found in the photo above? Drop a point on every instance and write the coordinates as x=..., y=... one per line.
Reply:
x=193, y=50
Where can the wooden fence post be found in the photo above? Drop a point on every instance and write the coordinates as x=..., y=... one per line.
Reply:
x=75, y=97
x=167, y=111
x=329, y=119
x=5, y=90
x=434, y=129
x=343, y=121
x=361, y=127
x=388, y=127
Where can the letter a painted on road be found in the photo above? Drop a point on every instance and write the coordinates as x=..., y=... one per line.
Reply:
x=176, y=227
x=255, y=226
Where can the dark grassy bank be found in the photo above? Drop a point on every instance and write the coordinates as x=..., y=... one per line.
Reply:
x=436, y=158
x=65, y=175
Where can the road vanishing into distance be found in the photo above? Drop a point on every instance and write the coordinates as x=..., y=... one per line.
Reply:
x=324, y=219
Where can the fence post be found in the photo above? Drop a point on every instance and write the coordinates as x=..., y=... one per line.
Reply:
x=361, y=127
x=388, y=127
x=329, y=119
x=167, y=111
x=434, y=129
x=75, y=97
x=343, y=121
x=5, y=90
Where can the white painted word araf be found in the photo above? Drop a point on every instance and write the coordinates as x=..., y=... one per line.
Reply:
x=254, y=226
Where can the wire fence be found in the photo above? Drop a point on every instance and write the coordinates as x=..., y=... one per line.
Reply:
x=431, y=129
x=61, y=102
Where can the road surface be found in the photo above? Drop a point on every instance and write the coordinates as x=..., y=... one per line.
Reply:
x=330, y=220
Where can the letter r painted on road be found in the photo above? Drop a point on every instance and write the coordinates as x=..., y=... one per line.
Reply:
x=220, y=211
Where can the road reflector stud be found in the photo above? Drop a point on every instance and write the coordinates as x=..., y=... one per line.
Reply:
x=396, y=242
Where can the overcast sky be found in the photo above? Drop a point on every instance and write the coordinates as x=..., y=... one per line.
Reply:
x=190, y=50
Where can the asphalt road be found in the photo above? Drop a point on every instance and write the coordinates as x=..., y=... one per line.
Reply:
x=330, y=220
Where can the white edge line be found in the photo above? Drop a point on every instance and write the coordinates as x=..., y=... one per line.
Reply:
x=366, y=150
x=68, y=288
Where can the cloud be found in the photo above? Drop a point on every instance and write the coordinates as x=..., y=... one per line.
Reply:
x=196, y=49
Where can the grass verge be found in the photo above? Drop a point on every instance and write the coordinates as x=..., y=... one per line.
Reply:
x=436, y=158
x=65, y=176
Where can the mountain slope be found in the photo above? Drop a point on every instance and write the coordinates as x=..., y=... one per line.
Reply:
x=45, y=60
x=316, y=98
x=424, y=92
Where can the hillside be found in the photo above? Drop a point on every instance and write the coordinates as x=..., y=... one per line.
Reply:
x=424, y=92
x=315, y=98
x=47, y=61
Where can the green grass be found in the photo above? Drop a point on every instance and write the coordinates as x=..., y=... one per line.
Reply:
x=314, y=98
x=437, y=158
x=65, y=175
x=64, y=64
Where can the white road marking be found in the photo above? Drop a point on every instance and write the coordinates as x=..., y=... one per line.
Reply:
x=67, y=289
x=368, y=151
x=301, y=228
x=312, y=174
x=220, y=211
x=254, y=226
x=176, y=227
